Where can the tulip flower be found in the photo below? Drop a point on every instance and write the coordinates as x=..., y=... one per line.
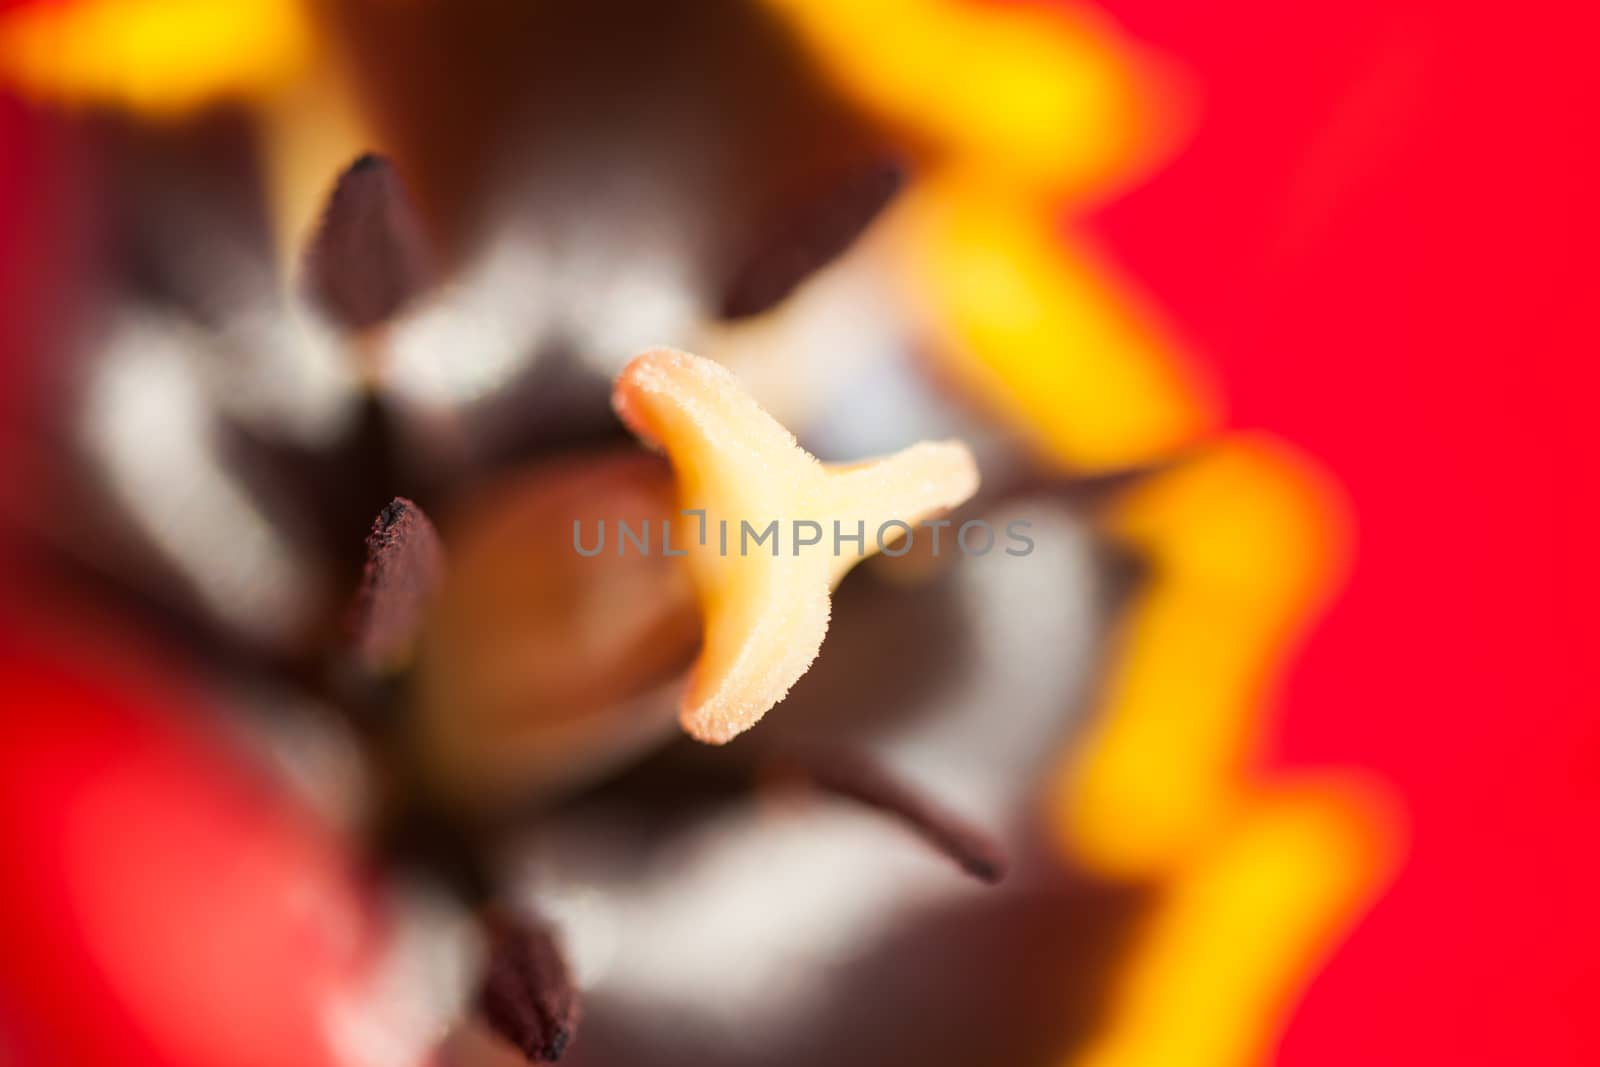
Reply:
x=367, y=325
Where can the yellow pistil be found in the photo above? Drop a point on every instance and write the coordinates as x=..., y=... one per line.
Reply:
x=765, y=602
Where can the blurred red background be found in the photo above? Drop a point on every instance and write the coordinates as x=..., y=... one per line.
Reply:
x=1380, y=239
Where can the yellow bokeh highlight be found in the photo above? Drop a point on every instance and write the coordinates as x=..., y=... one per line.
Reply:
x=1241, y=543
x=1041, y=331
x=1229, y=946
x=1055, y=96
x=160, y=57
x=1021, y=110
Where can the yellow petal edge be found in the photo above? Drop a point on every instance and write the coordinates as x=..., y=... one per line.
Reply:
x=765, y=603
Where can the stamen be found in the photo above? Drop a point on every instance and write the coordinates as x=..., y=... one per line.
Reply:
x=528, y=997
x=368, y=256
x=857, y=776
x=811, y=239
x=404, y=565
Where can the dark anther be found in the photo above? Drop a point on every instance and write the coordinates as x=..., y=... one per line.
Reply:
x=528, y=997
x=392, y=513
x=404, y=563
x=810, y=239
x=368, y=256
x=858, y=777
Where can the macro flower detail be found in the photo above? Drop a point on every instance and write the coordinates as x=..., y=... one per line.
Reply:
x=766, y=614
x=343, y=362
x=368, y=256
x=404, y=564
x=528, y=996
